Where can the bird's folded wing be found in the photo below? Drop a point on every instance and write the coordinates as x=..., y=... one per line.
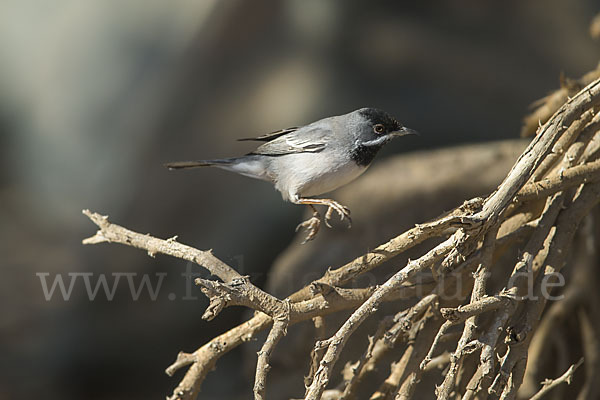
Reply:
x=299, y=141
x=270, y=136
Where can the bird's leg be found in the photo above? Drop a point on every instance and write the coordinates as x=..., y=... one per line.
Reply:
x=343, y=212
x=312, y=225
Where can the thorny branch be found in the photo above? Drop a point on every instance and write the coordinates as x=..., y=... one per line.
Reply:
x=551, y=189
x=549, y=384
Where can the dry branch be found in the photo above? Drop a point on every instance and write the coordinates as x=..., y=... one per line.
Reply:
x=336, y=343
x=545, y=107
x=542, y=201
x=549, y=384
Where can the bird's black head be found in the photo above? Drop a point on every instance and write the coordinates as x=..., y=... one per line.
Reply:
x=381, y=122
x=373, y=129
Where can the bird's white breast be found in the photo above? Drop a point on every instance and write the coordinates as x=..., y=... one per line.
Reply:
x=314, y=174
x=332, y=180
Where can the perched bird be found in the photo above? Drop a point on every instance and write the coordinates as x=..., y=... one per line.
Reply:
x=314, y=159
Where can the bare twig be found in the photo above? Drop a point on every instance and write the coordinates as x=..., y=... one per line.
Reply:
x=469, y=313
x=520, y=338
x=113, y=233
x=420, y=337
x=337, y=342
x=567, y=179
x=516, y=288
x=238, y=292
x=550, y=384
x=391, y=249
x=539, y=147
x=561, y=145
x=278, y=330
x=353, y=372
x=544, y=108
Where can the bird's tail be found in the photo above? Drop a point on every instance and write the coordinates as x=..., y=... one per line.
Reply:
x=249, y=165
x=220, y=162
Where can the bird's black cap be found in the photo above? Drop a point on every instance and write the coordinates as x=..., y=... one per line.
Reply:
x=376, y=116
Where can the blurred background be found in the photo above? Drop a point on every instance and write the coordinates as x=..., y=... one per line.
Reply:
x=96, y=95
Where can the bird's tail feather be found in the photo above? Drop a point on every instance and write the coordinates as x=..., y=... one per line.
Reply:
x=249, y=165
x=200, y=163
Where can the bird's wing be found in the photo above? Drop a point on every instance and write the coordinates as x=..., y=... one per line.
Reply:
x=270, y=136
x=305, y=140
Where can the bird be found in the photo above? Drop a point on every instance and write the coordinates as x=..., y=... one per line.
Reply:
x=308, y=161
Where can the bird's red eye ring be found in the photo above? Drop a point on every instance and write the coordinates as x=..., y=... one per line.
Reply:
x=379, y=128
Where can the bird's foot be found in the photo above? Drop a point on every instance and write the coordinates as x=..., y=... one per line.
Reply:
x=311, y=225
x=343, y=212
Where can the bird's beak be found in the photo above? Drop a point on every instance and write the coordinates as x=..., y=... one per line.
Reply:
x=404, y=132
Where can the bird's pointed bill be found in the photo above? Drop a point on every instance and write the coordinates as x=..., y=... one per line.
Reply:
x=404, y=132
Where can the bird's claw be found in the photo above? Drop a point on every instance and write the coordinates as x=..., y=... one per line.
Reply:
x=312, y=226
x=343, y=212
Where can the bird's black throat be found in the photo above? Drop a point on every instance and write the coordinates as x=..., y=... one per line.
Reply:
x=364, y=155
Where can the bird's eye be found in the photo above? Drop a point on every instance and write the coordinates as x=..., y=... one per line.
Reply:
x=379, y=128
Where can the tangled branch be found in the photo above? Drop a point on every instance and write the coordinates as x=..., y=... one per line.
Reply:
x=539, y=207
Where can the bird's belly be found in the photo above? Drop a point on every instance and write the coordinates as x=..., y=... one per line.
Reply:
x=331, y=180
